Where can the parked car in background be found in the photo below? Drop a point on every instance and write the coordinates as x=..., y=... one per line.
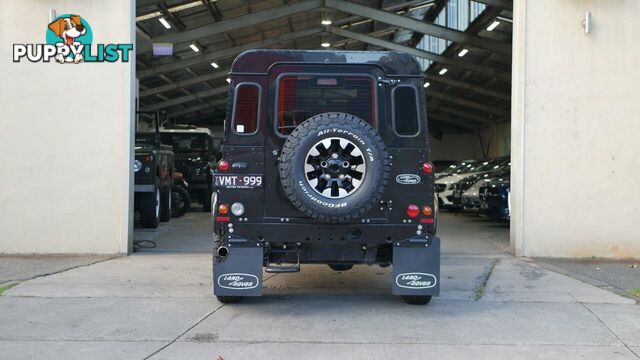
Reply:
x=153, y=173
x=445, y=186
x=495, y=199
x=470, y=195
x=195, y=157
x=471, y=185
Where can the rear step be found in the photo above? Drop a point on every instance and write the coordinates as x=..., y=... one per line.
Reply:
x=273, y=268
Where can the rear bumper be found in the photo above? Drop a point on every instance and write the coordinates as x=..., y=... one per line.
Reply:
x=416, y=267
x=348, y=233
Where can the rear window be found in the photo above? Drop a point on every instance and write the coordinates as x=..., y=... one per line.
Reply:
x=302, y=96
x=405, y=111
x=245, y=109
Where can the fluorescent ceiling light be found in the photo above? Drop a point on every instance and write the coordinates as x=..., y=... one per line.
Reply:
x=164, y=23
x=463, y=52
x=356, y=23
x=229, y=80
x=443, y=71
x=215, y=65
x=421, y=6
x=194, y=47
x=173, y=9
x=325, y=44
x=426, y=85
x=493, y=25
x=325, y=22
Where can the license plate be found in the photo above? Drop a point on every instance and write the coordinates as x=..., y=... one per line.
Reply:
x=238, y=181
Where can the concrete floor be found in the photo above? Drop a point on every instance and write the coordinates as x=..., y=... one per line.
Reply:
x=158, y=305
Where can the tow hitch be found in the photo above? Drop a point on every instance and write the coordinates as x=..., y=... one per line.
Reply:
x=278, y=268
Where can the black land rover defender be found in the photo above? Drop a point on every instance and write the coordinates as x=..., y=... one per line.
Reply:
x=195, y=158
x=325, y=159
x=153, y=173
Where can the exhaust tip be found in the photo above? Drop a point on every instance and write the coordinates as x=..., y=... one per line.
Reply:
x=223, y=251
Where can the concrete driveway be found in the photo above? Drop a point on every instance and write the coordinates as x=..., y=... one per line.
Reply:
x=159, y=305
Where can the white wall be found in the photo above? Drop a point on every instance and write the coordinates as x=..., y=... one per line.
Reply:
x=65, y=136
x=576, y=121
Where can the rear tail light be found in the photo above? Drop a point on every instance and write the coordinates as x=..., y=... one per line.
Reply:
x=426, y=210
x=223, y=209
x=223, y=165
x=413, y=211
x=427, y=168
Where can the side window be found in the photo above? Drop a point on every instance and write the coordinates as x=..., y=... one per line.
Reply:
x=405, y=111
x=246, y=109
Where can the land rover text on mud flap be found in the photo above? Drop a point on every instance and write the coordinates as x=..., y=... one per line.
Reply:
x=153, y=168
x=325, y=159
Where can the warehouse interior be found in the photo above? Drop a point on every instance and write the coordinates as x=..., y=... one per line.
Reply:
x=467, y=66
x=463, y=48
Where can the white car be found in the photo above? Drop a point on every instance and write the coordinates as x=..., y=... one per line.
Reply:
x=471, y=196
x=445, y=185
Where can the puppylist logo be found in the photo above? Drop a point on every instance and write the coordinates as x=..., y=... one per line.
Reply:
x=69, y=40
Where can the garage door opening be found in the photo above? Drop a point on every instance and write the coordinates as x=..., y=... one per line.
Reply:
x=186, y=48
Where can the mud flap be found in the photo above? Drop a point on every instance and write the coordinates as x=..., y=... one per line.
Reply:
x=416, y=266
x=240, y=272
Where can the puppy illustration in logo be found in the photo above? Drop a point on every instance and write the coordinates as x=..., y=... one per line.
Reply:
x=68, y=28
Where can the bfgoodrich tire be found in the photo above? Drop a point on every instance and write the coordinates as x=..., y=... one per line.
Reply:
x=334, y=167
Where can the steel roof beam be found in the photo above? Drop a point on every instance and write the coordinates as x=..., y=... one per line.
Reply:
x=218, y=74
x=468, y=103
x=218, y=54
x=420, y=26
x=458, y=112
x=183, y=99
x=503, y=4
x=235, y=23
x=459, y=123
x=223, y=72
x=467, y=86
x=192, y=109
x=482, y=69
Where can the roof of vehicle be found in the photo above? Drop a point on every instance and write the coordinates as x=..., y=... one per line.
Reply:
x=190, y=130
x=391, y=62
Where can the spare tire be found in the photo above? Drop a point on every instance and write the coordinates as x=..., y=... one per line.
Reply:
x=334, y=167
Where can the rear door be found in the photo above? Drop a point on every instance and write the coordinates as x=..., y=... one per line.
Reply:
x=407, y=143
x=297, y=92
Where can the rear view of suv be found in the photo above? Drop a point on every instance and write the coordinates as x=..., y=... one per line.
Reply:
x=325, y=159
